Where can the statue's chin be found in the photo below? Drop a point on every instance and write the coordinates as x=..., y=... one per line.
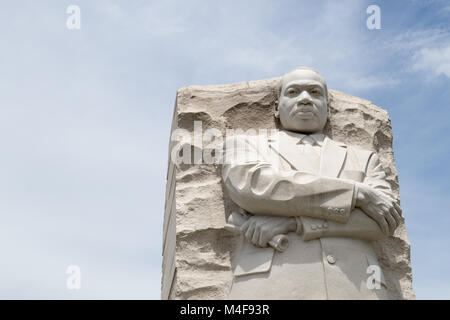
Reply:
x=304, y=123
x=306, y=131
x=305, y=128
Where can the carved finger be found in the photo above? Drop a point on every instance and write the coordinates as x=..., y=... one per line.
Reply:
x=371, y=211
x=245, y=226
x=396, y=216
x=383, y=225
x=256, y=234
x=379, y=218
x=391, y=222
x=249, y=232
x=398, y=208
x=263, y=239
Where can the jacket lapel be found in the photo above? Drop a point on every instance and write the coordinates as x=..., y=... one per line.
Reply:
x=332, y=159
x=285, y=146
x=277, y=143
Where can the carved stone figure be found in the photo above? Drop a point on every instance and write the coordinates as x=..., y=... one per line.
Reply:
x=329, y=199
x=312, y=203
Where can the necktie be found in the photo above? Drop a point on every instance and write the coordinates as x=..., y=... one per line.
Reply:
x=309, y=156
x=307, y=144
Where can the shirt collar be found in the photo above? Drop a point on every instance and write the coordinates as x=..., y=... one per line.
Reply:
x=317, y=137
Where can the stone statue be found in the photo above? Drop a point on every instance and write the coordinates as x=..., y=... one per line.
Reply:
x=312, y=203
x=310, y=206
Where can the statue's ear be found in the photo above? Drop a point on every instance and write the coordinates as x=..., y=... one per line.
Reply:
x=328, y=105
x=276, y=113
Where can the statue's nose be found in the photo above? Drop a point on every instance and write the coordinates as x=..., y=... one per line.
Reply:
x=304, y=97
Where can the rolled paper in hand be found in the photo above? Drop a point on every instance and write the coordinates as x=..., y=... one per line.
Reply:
x=232, y=228
x=280, y=242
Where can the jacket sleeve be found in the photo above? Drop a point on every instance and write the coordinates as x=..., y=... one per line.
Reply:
x=376, y=177
x=255, y=182
x=359, y=225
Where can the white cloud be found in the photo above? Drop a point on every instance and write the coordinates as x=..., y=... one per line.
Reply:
x=436, y=60
x=371, y=82
x=411, y=40
x=425, y=50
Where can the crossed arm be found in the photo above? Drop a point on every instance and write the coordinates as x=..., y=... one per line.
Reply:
x=364, y=210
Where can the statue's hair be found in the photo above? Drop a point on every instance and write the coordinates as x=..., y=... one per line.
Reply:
x=280, y=85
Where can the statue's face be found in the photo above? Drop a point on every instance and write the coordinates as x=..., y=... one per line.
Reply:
x=303, y=102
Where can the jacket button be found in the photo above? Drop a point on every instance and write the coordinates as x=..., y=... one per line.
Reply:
x=331, y=259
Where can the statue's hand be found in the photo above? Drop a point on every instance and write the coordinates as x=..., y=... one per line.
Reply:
x=381, y=208
x=260, y=229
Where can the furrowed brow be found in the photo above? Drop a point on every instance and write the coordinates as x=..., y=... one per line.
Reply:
x=305, y=85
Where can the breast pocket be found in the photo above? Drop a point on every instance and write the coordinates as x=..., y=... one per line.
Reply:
x=355, y=175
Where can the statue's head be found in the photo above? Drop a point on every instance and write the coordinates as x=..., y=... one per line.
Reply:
x=302, y=104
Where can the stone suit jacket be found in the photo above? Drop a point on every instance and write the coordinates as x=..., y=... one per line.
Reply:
x=330, y=259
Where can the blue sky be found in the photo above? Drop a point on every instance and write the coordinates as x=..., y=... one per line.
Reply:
x=85, y=118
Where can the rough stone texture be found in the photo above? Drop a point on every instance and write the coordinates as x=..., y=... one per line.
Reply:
x=198, y=252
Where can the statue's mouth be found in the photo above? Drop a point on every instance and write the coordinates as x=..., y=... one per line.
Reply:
x=304, y=112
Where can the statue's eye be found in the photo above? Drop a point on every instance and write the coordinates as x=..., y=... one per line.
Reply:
x=316, y=91
x=291, y=92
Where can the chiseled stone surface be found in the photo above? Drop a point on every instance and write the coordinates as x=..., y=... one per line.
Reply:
x=198, y=251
